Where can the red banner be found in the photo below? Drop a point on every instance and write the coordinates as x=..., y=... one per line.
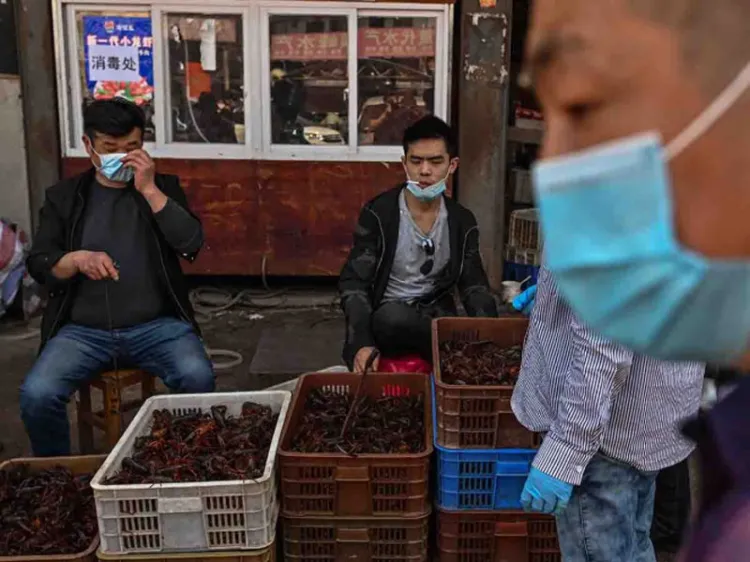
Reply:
x=385, y=43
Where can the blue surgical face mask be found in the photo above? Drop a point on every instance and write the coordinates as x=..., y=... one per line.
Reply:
x=429, y=193
x=608, y=221
x=112, y=167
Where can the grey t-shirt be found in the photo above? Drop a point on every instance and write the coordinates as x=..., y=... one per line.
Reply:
x=113, y=224
x=407, y=283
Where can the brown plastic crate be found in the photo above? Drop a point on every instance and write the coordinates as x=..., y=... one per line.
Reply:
x=478, y=417
x=77, y=465
x=346, y=539
x=340, y=485
x=267, y=554
x=496, y=536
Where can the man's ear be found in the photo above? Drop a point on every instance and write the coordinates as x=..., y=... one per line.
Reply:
x=88, y=145
x=454, y=164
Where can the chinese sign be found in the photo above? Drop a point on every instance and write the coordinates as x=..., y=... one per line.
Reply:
x=394, y=43
x=107, y=62
x=119, y=57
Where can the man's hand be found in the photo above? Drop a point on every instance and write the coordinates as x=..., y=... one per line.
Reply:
x=360, y=360
x=144, y=168
x=96, y=265
x=544, y=494
x=145, y=173
x=524, y=302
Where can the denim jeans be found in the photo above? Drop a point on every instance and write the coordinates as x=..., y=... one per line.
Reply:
x=609, y=515
x=167, y=347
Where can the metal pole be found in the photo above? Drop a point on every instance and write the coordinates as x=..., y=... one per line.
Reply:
x=38, y=88
x=482, y=122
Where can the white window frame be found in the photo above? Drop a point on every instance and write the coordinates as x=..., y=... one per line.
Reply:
x=296, y=151
x=160, y=14
x=256, y=47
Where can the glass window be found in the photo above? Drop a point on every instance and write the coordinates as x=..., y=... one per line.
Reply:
x=396, y=76
x=205, y=69
x=115, y=59
x=309, y=80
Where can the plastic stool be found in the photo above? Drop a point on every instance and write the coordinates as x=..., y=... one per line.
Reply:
x=405, y=364
x=112, y=385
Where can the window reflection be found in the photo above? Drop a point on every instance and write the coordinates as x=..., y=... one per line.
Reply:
x=396, y=76
x=309, y=80
x=206, y=78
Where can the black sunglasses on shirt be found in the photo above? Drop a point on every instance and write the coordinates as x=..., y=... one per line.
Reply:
x=429, y=249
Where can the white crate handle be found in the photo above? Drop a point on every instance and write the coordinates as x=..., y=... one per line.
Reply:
x=180, y=505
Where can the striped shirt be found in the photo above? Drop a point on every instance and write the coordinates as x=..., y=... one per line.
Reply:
x=589, y=395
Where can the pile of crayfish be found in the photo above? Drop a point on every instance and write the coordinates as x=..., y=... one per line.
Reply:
x=199, y=447
x=479, y=363
x=45, y=513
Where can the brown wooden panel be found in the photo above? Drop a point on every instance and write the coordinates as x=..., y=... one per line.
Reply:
x=297, y=216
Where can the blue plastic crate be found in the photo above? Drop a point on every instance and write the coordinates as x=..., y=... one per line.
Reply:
x=480, y=478
x=518, y=272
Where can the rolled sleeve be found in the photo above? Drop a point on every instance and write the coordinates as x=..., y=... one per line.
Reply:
x=562, y=461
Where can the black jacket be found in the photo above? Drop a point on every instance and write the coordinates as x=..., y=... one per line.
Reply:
x=60, y=230
x=365, y=275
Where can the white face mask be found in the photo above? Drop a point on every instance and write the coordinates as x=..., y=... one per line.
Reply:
x=429, y=193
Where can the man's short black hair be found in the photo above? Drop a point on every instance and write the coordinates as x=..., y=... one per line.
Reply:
x=430, y=127
x=116, y=117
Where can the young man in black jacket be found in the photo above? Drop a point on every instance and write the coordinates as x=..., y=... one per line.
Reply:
x=107, y=250
x=412, y=248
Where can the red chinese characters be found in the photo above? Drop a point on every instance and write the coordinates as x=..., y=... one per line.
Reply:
x=394, y=42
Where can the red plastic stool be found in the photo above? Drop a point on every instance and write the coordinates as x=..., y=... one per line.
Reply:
x=405, y=364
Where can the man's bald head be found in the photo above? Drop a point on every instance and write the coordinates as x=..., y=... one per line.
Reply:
x=713, y=32
x=610, y=69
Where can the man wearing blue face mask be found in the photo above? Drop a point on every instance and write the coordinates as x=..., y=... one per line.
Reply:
x=412, y=248
x=644, y=191
x=107, y=249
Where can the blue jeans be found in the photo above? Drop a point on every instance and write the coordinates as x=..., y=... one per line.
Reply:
x=167, y=347
x=609, y=515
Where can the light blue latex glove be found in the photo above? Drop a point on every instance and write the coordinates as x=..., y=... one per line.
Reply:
x=524, y=302
x=544, y=494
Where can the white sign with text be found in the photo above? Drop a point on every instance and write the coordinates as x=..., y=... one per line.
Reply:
x=113, y=63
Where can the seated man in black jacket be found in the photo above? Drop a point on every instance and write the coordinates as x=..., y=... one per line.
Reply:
x=412, y=248
x=107, y=250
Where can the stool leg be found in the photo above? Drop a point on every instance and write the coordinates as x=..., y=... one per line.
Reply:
x=112, y=415
x=148, y=387
x=85, y=428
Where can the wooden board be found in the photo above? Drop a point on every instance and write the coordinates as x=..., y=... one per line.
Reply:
x=298, y=216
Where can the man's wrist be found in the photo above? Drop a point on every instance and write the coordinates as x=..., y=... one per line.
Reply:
x=150, y=190
x=75, y=259
x=154, y=196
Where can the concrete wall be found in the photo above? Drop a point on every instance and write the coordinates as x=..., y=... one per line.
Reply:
x=14, y=190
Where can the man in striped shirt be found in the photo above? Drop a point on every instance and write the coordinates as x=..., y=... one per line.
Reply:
x=611, y=421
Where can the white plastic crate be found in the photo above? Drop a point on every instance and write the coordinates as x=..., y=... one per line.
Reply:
x=524, y=230
x=189, y=516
